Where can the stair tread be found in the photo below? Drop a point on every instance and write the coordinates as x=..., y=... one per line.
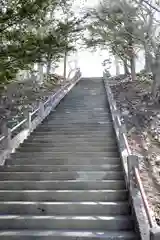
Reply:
x=64, y=172
x=88, y=175
x=69, y=181
x=88, y=234
x=64, y=208
x=67, y=191
x=93, y=203
x=66, y=217
x=56, y=169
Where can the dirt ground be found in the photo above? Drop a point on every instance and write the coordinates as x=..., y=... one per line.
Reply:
x=142, y=118
x=19, y=97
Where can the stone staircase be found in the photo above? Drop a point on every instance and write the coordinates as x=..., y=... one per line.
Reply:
x=66, y=180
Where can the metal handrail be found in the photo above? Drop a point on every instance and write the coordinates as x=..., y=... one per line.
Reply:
x=35, y=111
x=144, y=198
x=2, y=138
x=77, y=75
x=18, y=125
x=127, y=145
x=47, y=101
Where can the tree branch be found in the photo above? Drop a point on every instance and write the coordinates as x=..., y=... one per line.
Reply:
x=150, y=5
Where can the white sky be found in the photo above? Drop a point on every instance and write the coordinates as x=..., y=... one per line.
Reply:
x=91, y=63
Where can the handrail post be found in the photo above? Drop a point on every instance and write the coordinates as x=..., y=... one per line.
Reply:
x=132, y=163
x=115, y=112
x=155, y=233
x=7, y=134
x=51, y=100
x=29, y=119
x=41, y=110
x=122, y=130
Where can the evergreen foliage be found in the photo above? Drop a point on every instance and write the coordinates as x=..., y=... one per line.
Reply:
x=31, y=32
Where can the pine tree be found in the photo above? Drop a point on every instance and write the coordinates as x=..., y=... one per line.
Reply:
x=31, y=32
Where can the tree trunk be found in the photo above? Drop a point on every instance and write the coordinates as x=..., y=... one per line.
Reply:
x=49, y=61
x=148, y=58
x=65, y=65
x=133, y=68
x=117, y=66
x=131, y=49
x=48, y=67
x=132, y=59
x=156, y=77
x=126, y=70
x=40, y=73
x=33, y=77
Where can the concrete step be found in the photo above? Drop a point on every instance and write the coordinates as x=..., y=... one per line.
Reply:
x=99, y=223
x=60, y=168
x=94, y=136
x=51, y=122
x=66, y=144
x=65, y=208
x=95, y=128
x=67, y=175
x=83, y=107
x=66, y=235
x=85, y=136
x=63, y=185
x=90, y=113
x=85, y=101
x=74, y=128
x=80, y=120
x=81, y=111
x=69, y=140
x=97, y=110
x=61, y=160
x=76, y=116
x=69, y=111
x=35, y=148
x=68, y=154
x=63, y=195
x=57, y=132
x=77, y=110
